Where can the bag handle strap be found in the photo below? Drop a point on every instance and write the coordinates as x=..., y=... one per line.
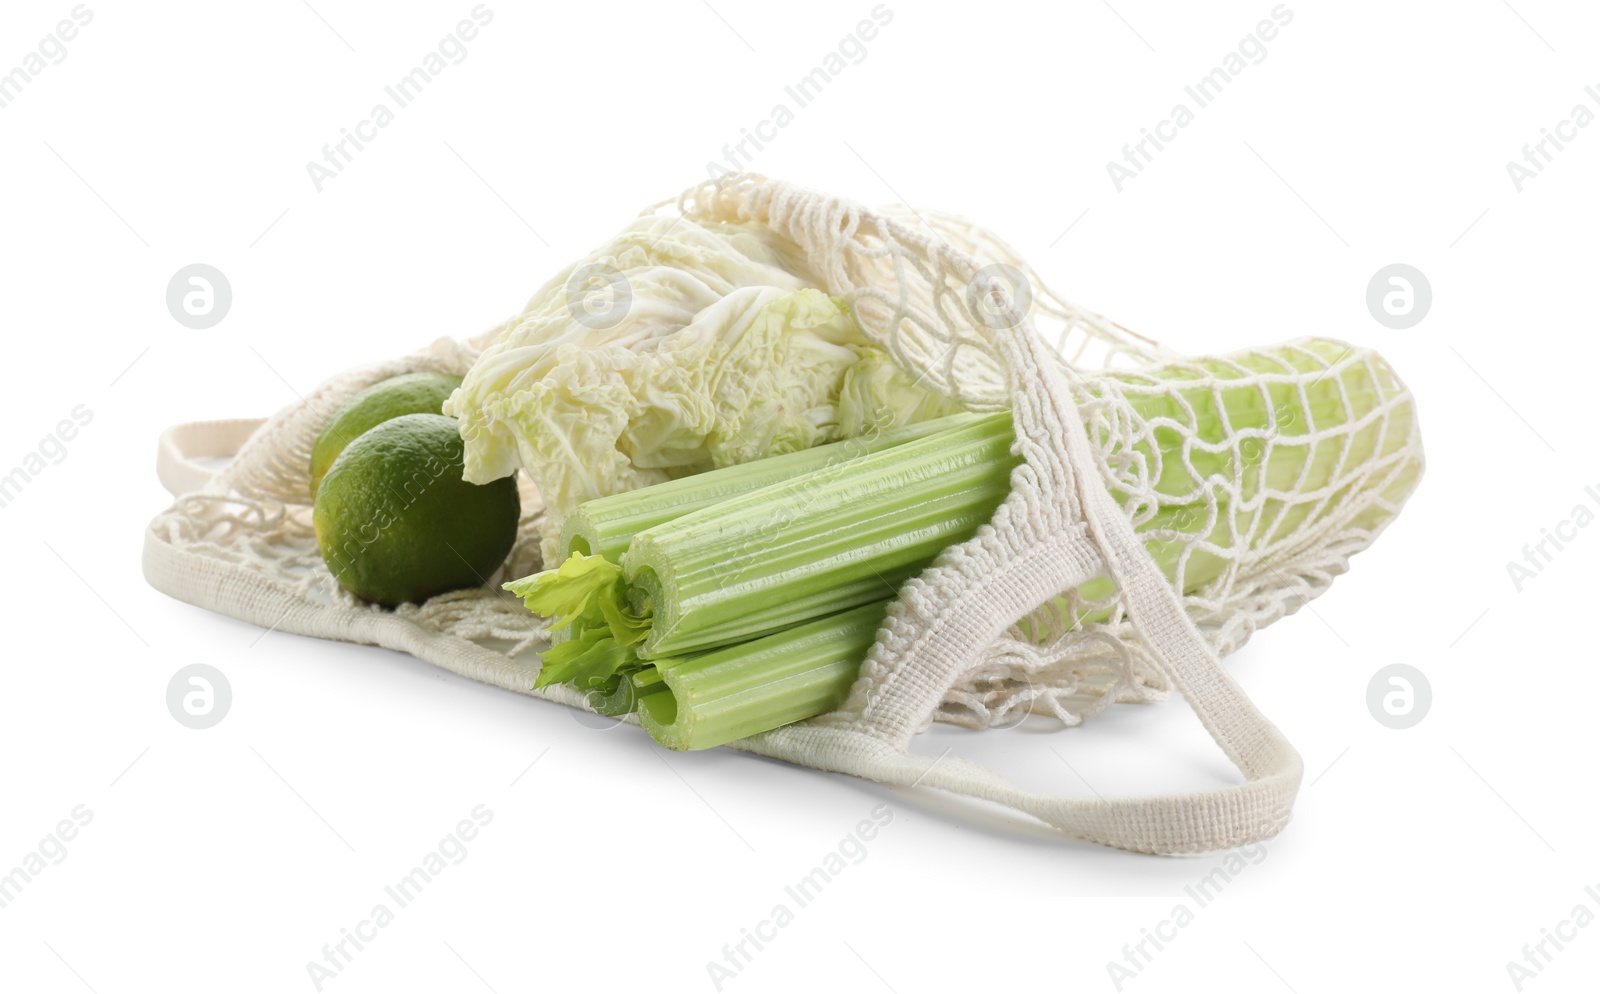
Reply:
x=876, y=743
x=1060, y=526
x=182, y=445
x=1252, y=742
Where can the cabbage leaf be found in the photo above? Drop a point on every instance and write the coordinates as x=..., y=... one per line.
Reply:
x=675, y=348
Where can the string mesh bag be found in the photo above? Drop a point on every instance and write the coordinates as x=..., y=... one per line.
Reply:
x=1164, y=509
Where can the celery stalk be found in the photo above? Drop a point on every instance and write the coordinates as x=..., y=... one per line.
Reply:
x=604, y=526
x=816, y=544
x=730, y=693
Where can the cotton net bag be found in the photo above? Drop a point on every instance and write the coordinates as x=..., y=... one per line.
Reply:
x=977, y=639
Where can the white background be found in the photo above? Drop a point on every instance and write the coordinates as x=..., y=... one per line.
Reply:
x=225, y=859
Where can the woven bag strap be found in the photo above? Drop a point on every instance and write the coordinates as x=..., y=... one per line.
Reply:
x=1059, y=527
x=182, y=446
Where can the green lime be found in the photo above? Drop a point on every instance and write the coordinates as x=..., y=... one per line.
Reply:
x=409, y=393
x=395, y=521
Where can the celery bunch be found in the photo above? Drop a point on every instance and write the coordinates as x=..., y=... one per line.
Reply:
x=835, y=531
